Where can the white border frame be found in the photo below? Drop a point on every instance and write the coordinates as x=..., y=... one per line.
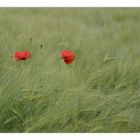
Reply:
x=68, y=136
x=69, y=3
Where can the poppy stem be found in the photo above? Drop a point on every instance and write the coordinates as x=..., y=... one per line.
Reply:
x=30, y=44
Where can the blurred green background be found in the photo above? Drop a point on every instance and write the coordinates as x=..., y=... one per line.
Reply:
x=98, y=92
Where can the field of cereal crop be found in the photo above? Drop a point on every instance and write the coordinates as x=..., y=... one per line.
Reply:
x=98, y=92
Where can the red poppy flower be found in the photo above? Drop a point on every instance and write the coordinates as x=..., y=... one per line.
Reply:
x=68, y=56
x=22, y=55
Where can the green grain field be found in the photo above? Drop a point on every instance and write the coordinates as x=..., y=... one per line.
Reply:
x=98, y=92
